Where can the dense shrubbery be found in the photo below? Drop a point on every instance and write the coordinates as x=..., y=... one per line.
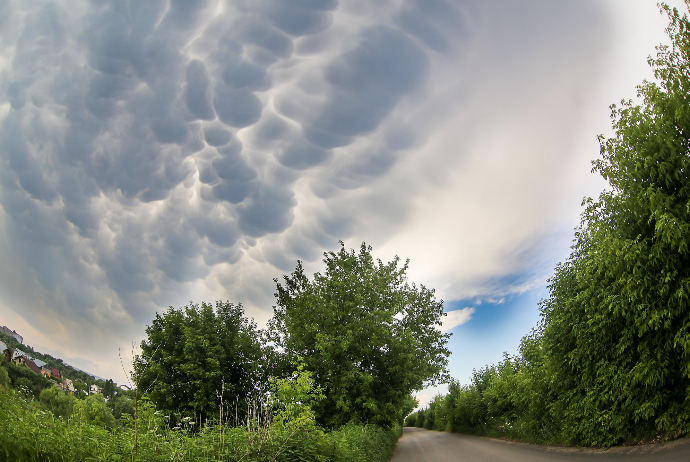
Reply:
x=209, y=385
x=610, y=361
x=511, y=399
x=38, y=421
x=522, y=398
x=367, y=335
x=28, y=432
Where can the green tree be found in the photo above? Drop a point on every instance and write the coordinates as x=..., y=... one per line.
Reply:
x=292, y=399
x=121, y=404
x=57, y=401
x=81, y=389
x=93, y=410
x=369, y=337
x=109, y=388
x=617, y=322
x=197, y=355
x=408, y=406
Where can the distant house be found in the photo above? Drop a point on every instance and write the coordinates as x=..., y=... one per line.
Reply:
x=68, y=386
x=12, y=333
x=47, y=370
x=40, y=365
x=17, y=353
x=95, y=389
x=55, y=373
x=6, y=351
x=28, y=363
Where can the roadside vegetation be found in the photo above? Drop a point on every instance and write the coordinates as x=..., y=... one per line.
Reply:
x=330, y=379
x=609, y=362
x=71, y=429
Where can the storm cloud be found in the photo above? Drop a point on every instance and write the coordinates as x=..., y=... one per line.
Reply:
x=160, y=151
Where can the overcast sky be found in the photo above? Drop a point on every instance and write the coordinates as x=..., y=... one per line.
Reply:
x=157, y=152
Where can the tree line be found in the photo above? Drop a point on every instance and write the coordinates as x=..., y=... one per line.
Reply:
x=330, y=378
x=610, y=360
x=367, y=337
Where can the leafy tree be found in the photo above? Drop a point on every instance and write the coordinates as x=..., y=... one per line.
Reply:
x=369, y=337
x=94, y=411
x=292, y=399
x=421, y=417
x=81, y=389
x=197, y=355
x=408, y=406
x=617, y=322
x=57, y=401
x=121, y=404
x=610, y=361
x=109, y=388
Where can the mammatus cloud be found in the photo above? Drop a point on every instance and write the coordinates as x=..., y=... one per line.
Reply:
x=155, y=152
x=456, y=318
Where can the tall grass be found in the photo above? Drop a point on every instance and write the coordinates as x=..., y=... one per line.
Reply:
x=29, y=433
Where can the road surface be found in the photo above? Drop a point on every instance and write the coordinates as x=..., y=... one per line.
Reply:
x=419, y=445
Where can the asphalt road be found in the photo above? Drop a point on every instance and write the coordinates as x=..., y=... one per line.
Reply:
x=419, y=445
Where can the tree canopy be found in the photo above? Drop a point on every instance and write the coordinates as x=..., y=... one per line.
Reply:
x=610, y=361
x=369, y=336
x=196, y=355
x=618, y=314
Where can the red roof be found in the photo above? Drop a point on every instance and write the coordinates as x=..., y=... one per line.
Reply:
x=55, y=372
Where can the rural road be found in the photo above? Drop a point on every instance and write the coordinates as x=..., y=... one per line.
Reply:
x=419, y=445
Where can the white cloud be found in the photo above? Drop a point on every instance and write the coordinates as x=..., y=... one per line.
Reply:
x=456, y=318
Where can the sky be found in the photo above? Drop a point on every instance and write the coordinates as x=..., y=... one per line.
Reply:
x=161, y=152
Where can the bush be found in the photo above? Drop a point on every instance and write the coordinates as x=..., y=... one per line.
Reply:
x=361, y=442
x=57, y=401
x=4, y=379
x=28, y=432
x=93, y=410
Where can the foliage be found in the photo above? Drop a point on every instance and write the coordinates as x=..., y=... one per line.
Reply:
x=361, y=443
x=509, y=399
x=369, y=337
x=23, y=376
x=93, y=410
x=109, y=388
x=81, y=389
x=29, y=433
x=618, y=313
x=610, y=361
x=121, y=404
x=4, y=379
x=59, y=403
x=196, y=356
x=293, y=399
